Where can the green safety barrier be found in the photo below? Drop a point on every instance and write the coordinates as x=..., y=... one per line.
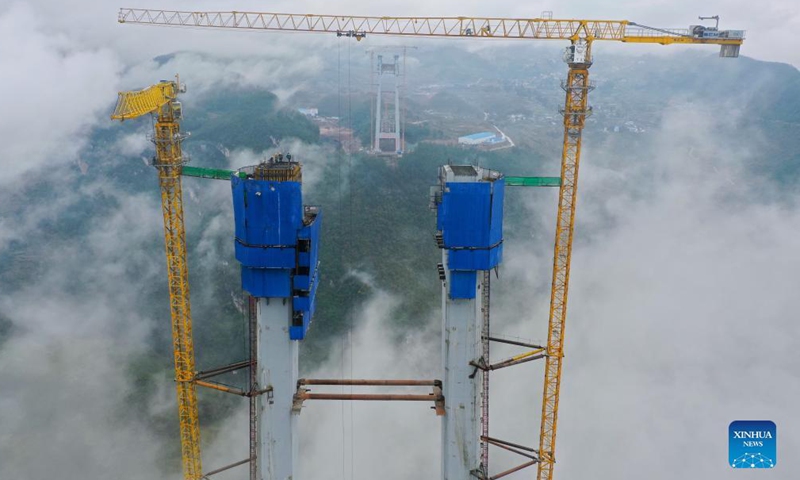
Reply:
x=212, y=173
x=222, y=174
x=533, y=181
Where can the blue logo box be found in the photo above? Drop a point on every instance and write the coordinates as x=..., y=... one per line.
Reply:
x=752, y=444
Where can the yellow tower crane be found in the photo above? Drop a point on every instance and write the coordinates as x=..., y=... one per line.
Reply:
x=580, y=33
x=161, y=101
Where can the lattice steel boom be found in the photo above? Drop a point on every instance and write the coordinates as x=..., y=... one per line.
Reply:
x=581, y=34
x=161, y=101
x=483, y=27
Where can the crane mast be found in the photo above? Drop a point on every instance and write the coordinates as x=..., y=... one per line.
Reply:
x=576, y=109
x=161, y=101
x=581, y=33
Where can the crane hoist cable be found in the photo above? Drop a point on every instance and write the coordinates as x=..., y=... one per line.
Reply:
x=346, y=253
x=342, y=252
x=581, y=33
x=350, y=189
x=345, y=223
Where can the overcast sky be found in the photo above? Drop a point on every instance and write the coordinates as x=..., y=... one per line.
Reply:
x=770, y=26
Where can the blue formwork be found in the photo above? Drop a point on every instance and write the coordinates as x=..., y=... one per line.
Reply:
x=470, y=217
x=306, y=278
x=277, y=244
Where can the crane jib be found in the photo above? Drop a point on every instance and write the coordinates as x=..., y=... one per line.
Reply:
x=477, y=27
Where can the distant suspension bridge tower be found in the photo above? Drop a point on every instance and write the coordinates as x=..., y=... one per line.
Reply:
x=388, y=138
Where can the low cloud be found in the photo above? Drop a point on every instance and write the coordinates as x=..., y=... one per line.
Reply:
x=278, y=70
x=680, y=314
x=54, y=91
x=74, y=332
x=391, y=440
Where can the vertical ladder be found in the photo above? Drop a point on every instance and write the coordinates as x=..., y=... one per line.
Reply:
x=252, y=314
x=485, y=375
